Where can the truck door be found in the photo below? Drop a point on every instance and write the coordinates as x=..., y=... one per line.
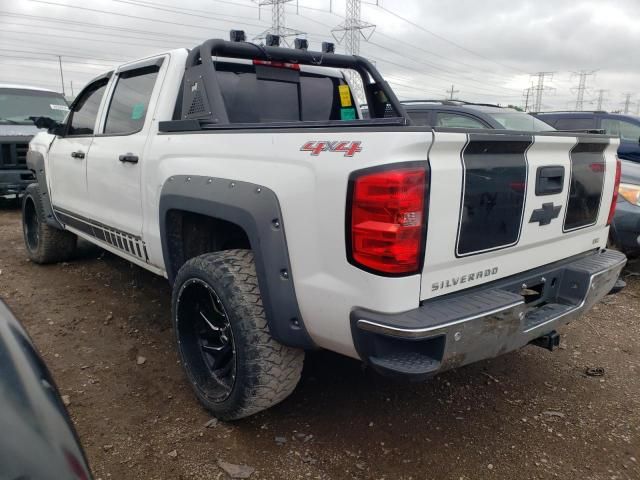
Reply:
x=117, y=157
x=69, y=153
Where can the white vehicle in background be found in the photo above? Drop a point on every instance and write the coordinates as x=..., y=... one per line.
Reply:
x=19, y=104
x=285, y=222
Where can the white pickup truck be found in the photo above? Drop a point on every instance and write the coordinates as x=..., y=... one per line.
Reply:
x=286, y=222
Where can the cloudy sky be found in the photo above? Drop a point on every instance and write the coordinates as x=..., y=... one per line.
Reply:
x=487, y=49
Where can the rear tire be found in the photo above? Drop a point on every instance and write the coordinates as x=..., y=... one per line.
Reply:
x=233, y=363
x=45, y=244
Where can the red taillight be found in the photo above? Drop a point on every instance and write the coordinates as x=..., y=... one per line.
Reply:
x=616, y=186
x=388, y=220
x=269, y=63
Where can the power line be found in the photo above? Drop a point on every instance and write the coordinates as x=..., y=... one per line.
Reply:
x=420, y=27
x=474, y=68
x=95, y=25
x=95, y=10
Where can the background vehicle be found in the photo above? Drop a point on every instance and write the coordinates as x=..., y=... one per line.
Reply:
x=17, y=104
x=627, y=127
x=38, y=439
x=625, y=229
x=285, y=222
x=459, y=114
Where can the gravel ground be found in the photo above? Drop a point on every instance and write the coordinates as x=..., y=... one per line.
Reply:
x=103, y=327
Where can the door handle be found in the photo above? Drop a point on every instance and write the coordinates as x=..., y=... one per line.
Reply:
x=77, y=154
x=549, y=180
x=128, y=158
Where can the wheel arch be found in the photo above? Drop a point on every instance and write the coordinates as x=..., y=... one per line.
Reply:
x=35, y=163
x=254, y=210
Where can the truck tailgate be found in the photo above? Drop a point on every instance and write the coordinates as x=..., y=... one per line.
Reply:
x=501, y=204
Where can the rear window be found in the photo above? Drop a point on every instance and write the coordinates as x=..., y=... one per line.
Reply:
x=520, y=121
x=573, y=123
x=274, y=94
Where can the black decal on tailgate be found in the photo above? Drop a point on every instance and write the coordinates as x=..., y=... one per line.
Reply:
x=586, y=184
x=494, y=189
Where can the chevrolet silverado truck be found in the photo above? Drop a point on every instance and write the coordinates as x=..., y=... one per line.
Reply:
x=285, y=221
x=19, y=104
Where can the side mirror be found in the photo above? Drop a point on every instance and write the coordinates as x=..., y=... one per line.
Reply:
x=52, y=126
x=58, y=130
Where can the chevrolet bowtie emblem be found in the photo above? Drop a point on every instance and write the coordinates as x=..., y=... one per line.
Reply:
x=545, y=214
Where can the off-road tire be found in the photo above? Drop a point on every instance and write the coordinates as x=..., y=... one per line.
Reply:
x=44, y=244
x=267, y=372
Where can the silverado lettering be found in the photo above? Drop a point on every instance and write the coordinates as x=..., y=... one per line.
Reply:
x=471, y=277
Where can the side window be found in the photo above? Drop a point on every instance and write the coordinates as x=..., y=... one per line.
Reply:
x=419, y=117
x=130, y=100
x=611, y=127
x=629, y=131
x=575, y=124
x=454, y=120
x=85, y=110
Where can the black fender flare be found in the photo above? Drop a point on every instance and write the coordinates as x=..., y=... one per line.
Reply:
x=35, y=163
x=256, y=210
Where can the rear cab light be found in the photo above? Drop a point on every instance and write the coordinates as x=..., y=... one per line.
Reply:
x=616, y=187
x=270, y=63
x=387, y=218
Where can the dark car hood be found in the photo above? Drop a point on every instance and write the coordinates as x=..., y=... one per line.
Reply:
x=630, y=172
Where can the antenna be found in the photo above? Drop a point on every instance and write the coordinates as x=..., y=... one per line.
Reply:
x=452, y=92
x=350, y=31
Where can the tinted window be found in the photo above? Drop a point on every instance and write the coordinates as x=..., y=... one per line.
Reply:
x=519, y=121
x=574, y=123
x=85, y=111
x=454, y=120
x=625, y=130
x=281, y=95
x=419, y=118
x=130, y=100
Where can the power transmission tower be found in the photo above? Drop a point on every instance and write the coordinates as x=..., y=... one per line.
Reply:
x=582, y=87
x=278, y=26
x=601, y=98
x=627, y=102
x=539, y=88
x=452, y=92
x=351, y=31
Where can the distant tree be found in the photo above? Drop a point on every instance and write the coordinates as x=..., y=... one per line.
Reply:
x=515, y=107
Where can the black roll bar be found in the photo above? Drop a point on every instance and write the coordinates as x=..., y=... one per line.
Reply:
x=201, y=79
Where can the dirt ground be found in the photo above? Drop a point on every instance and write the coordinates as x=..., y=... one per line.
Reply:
x=531, y=414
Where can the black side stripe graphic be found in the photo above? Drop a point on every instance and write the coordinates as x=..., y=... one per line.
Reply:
x=494, y=188
x=123, y=241
x=588, y=165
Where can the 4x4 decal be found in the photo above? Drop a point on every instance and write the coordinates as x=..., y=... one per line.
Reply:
x=316, y=148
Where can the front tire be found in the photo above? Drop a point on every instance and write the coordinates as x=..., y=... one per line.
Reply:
x=233, y=363
x=45, y=244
